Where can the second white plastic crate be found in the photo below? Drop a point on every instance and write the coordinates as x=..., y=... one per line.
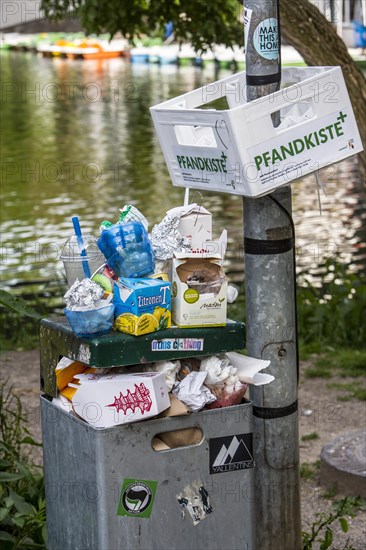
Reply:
x=252, y=148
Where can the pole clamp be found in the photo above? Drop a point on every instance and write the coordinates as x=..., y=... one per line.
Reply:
x=262, y=246
x=263, y=79
x=268, y=413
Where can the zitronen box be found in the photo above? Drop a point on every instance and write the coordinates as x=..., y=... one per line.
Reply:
x=142, y=305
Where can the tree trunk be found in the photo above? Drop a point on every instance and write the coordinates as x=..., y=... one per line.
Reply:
x=307, y=30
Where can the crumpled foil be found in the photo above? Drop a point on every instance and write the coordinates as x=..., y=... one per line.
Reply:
x=166, y=239
x=83, y=294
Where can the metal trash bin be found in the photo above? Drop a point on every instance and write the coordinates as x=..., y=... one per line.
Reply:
x=109, y=489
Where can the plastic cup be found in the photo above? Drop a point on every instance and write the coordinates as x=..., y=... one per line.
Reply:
x=91, y=322
x=73, y=262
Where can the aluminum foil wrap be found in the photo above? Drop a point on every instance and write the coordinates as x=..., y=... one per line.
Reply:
x=166, y=239
x=83, y=294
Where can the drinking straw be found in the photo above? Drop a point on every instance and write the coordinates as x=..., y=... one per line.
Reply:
x=186, y=197
x=79, y=236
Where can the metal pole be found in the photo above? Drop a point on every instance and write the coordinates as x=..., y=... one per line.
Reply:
x=271, y=315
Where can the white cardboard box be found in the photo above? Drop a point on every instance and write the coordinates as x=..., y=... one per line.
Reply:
x=105, y=400
x=196, y=304
x=196, y=224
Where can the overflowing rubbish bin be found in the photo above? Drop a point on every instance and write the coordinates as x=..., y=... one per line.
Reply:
x=182, y=482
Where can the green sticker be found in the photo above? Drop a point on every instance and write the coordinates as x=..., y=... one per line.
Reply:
x=191, y=296
x=137, y=498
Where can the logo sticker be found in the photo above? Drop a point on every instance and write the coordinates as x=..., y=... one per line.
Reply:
x=265, y=38
x=231, y=453
x=137, y=498
x=178, y=344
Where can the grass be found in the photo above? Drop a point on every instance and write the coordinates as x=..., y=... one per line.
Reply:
x=310, y=437
x=353, y=391
x=309, y=471
x=345, y=362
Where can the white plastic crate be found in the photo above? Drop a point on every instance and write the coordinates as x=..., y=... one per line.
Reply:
x=248, y=149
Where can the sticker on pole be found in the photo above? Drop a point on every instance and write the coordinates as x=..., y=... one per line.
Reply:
x=231, y=453
x=137, y=498
x=265, y=38
x=247, y=18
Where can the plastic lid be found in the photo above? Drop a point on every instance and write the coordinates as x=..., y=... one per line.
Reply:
x=71, y=253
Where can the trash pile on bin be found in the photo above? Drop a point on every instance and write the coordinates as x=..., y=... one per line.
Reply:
x=112, y=396
x=145, y=281
x=138, y=283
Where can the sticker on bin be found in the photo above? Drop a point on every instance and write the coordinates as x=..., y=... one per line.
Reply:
x=231, y=453
x=252, y=148
x=178, y=344
x=137, y=498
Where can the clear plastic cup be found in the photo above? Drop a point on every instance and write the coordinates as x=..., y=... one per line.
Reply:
x=73, y=262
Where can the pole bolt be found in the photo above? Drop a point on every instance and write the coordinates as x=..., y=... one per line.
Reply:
x=282, y=352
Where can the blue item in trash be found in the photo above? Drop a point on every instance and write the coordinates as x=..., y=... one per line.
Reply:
x=83, y=254
x=91, y=322
x=127, y=249
x=135, y=262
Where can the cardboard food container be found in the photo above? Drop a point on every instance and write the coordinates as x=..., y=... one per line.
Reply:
x=195, y=224
x=107, y=400
x=142, y=305
x=199, y=291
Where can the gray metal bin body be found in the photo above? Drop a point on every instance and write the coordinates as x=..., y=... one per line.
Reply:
x=86, y=471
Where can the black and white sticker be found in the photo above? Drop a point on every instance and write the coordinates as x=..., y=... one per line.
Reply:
x=231, y=453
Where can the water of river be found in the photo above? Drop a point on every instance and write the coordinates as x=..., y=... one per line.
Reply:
x=77, y=139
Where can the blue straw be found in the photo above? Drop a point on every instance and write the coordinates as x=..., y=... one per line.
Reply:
x=79, y=236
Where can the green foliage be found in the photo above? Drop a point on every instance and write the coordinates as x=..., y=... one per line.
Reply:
x=22, y=499
x=309, y=471
x=321, y=531
x=349, y=391
x=351, y=362
x=344, y=361
x=20, y=321
x=203, y=23
x=17, y=304
x=310, y=437
x=332, y=312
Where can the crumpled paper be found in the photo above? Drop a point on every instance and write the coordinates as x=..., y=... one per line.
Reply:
x=218, y=370
x=192, y=391
x=83, y=295
x=248, y=369
x=221, y=375
x=166, y=239
x=168, y=368
x=232, y=294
